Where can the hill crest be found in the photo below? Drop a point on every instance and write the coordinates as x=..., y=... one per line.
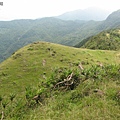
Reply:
x=39, y=68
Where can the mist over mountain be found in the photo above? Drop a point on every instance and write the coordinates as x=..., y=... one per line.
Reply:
x=86, y=14
x=112, y=21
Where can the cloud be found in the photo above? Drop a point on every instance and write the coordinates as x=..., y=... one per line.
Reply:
x=28, y=9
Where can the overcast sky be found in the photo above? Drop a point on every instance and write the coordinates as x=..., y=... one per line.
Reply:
x=32, y=9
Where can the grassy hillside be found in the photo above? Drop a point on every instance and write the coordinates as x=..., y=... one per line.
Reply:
x=41, y=67
x=107, y=40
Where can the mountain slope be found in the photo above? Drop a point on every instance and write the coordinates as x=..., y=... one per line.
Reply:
x=18, y=33
x=107, y=40
x=112, y=21
x=27, y=71
x=10, y=33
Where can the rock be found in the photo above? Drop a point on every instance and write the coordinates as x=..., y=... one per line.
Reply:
x=99, y=92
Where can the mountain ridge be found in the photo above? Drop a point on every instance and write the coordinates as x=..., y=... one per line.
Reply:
x=18, y=33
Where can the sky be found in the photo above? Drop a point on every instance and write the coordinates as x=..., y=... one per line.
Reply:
x=33, y=9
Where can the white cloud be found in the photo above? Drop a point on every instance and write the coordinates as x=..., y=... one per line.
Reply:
x=18, y=9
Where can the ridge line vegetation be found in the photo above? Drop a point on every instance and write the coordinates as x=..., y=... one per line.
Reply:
x=106, y=40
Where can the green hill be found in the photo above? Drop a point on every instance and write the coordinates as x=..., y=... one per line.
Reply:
x=49, y=70
x=107, y=40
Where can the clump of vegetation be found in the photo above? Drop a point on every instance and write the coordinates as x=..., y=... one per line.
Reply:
x=72, y=85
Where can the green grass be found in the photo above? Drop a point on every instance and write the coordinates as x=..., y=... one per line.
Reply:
x=25, y=68
x=83, y=103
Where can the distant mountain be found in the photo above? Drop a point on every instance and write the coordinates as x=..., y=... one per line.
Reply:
x=106, y=40
x=112, y=21
x=18, y=33
x=86, y=14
